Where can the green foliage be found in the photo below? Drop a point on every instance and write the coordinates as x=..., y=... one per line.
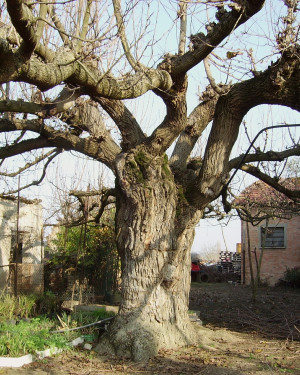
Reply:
x=89, y=251
x=181, y=196
x=48, y=303
x=82, y=318
x=88, y=317
x=292, y=276
x=26, y=305
x=27, y=337
x=12, y=307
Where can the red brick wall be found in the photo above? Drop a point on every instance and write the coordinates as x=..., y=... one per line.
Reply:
x=275, y=261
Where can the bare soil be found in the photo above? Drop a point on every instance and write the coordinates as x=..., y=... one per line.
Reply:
x=237, y=337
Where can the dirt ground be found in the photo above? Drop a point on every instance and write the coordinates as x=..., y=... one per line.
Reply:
x=237, y=337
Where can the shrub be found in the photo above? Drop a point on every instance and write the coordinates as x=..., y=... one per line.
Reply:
x=292, y=276
x=48, y=303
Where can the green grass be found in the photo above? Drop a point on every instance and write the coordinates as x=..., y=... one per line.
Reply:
x=27, y=337
x=12, y=307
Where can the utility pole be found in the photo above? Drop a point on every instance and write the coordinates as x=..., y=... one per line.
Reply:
x=17, y=242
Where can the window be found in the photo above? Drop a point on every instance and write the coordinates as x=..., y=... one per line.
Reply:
x=275, y=237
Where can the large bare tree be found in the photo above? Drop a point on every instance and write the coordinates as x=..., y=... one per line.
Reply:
x=66, y=66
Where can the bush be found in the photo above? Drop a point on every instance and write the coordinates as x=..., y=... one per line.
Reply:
x=27, y=337
x=48, y=304
x=292, y=276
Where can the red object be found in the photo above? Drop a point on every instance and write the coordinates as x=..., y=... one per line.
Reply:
x=195, y=267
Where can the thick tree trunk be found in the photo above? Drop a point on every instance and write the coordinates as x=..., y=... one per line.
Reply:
x=155, y=231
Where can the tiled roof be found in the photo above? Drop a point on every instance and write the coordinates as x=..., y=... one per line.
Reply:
x=262, y=196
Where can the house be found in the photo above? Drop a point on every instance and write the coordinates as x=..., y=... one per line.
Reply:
x=21, y=246
x=272, y=212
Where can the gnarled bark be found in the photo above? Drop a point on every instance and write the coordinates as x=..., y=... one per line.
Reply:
x=155, y=231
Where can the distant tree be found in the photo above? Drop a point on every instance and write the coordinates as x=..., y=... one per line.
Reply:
x=76, y=60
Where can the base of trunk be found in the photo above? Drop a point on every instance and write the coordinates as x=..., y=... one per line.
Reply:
x=138, y=339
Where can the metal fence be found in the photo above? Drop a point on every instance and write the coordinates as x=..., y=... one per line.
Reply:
x=22, y=278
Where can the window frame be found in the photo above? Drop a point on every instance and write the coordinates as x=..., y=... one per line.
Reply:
x=281, y=225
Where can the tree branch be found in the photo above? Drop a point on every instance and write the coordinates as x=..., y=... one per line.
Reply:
x=86, y=116
x=264, y=156
x=121, y=30
x=197, y=121
x=175, y=120
x=132, y=134
x=273, y=182
x=66, y=68
x=279, y=84
x=202, y=44
x=101, y=149
x=268, y=197
x=263, y=213
x=63, y=102
x=59, y=26
x=105, y=200
x=37, y=182
x=41, y=23
x=85, y=25
x=24, y=146
x=22, y=19
x=182, y=35
x=219, y=89
x=29, y=165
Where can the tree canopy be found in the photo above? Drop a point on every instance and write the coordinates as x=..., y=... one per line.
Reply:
x=61, y=53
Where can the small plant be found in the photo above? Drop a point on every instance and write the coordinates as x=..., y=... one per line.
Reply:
x=292, y=276
x=251, y=356
x=7, y=307
x=80, y=318
x=25, y=337
x=12, y=307
x=26, y=306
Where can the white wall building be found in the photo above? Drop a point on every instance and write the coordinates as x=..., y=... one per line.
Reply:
x=21, y=243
